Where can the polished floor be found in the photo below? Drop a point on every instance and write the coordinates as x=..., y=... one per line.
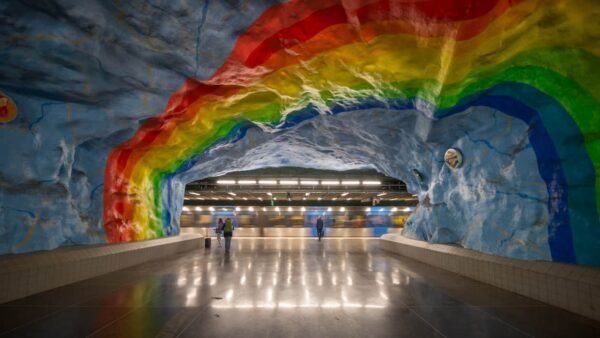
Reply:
x=286, y=288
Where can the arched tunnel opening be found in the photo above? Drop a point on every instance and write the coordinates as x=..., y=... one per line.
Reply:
x=287, y=202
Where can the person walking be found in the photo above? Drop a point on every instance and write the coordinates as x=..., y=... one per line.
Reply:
x=228, y=233
x=219, y=230
x=319, y=227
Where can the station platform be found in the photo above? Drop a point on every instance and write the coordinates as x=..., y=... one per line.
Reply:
x=286, y=287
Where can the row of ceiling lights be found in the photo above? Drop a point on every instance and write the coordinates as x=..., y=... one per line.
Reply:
x=275, y=198
x=296, y=182
x=290, y=209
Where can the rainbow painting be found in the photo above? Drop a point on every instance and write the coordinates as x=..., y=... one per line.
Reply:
x=533, y=60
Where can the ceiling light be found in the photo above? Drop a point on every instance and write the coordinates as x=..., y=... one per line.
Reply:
x=194, y=193
x=267, y=182
x=407, y=209
x=214, y=198
x=382, y=194
x=381, y=209
x=345, y=194
x=270, y=194
x=333, y=199
x=303, y=209
x=245, y=198
x=309, y=182
x=232, y=193
x=260, y=199
x=368, y=209
x=274, y=198
x=342, y=209
x=371, y=182
x=290, y=209
x=198, y=209
x=352, y=182
x=394, y=209
x=230, y=198
x=349, y=199
x=328, y=182
x=320, y=198
x=304, y=198
x=246, y=182
x=276, y=208
x=264, y=209
x=250, y=209
x=185, y=209
x=288, y=182
x=307, y=194
x=329, y=209
x=211, y=208
x=237, y=209
x=225, y=182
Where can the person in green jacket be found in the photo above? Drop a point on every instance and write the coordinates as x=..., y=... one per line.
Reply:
x=228, y=233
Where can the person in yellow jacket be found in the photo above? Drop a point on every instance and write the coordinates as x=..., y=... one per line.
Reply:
x=228, y=233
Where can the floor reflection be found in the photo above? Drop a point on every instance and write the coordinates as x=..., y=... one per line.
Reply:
x=286, y=287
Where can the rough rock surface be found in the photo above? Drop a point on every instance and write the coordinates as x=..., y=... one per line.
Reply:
x=86, y=76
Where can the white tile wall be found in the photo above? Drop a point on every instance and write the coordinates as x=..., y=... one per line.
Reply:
x=571, y=287
x=26, y=274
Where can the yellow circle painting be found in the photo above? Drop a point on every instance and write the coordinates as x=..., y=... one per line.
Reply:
x=8, y=109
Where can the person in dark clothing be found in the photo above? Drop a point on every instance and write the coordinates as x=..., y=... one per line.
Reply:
x=320, y=227
x=228, y=233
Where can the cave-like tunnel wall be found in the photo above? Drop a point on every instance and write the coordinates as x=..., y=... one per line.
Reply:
x=107, y=110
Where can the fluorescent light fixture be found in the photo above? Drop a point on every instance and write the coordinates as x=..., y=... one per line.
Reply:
x=407, y=209
x=230, y=198
x=382, y=194
x=185, y=209
x=394, y=209
x=333, y=199
x=237, y=209
x=290, y=209
x=198, y=208
x=329, y=182
x=309, y=182
x=270, y=194
x=211, y=208
x=345, y=194
x=342, y=209
x=250, y=209
x=232, y=193
x=304, y=198
x=329, y=209
x=194, y=193
x=368, y=209
x=214, y=198
x=319, y=198
x=246, y=182
x=267, y=182
x=371, y=182
x=274, y=198
x=288, y=182
x=276, y=208
x=303, y=209
x=264, y=209
x=380, y=209
x=260, y=199
x=307, y=194
x=351, y=182
x=349, y=199
x=245, y=198
x=225, y=182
